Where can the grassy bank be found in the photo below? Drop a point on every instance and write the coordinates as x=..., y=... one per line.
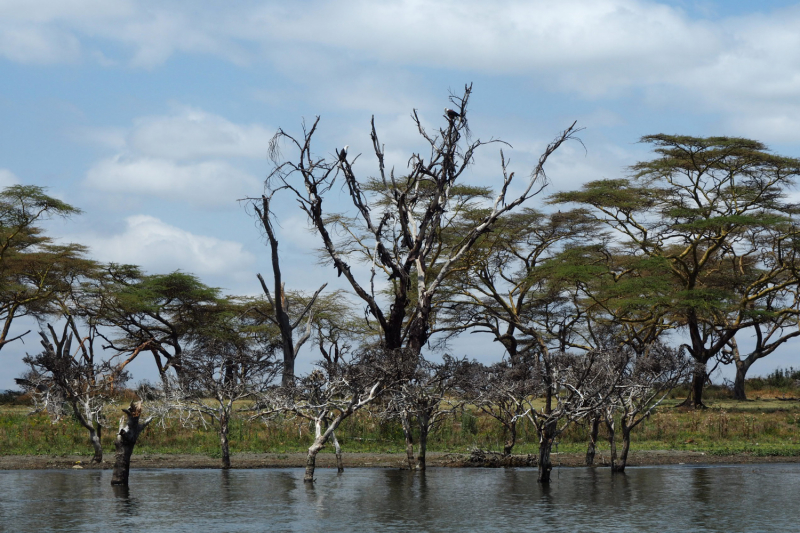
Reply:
x=764, y=426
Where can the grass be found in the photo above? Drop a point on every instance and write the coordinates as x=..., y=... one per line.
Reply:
x=767, y=426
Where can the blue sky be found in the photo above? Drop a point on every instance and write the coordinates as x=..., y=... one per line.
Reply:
x=154, y=117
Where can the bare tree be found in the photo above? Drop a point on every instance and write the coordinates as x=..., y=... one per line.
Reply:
x=400, y=222
x=230, y=362
x=79, y=383
x=500, y=391
x=572, y=387
x=281, y=314
x=644, y=380
x=427, y=396
x=130, y=427
x=332, y=393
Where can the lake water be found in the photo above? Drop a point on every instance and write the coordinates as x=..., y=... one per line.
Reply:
x=676, y=498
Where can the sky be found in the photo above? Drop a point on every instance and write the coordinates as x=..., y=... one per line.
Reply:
x=154, y=117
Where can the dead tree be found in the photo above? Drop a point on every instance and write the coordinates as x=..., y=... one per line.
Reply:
x=644, y=380
x=130, y=427
x=332, y=393
x=572, y=386
x=400, y=224
x=500, y=391
x=426, y=396
x=229, y=363
x=63, y=382
x=281, y=314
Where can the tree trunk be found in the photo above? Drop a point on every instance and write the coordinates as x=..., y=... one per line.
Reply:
x=509, y=443
x=405, y=419
x=129, y=431
x=546, y=439
x=311, y=460
x=94, y=438
x=591, y=450
x=423, y=442
x=338, y=450
x=738, y=384
x=618, y=467
x=223, y=441
x=612, y=442
x=698, y=383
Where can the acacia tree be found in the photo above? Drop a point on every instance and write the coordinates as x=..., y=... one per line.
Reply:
x=332, y=393
x=427, y=396
x=33, y=270
x=162, y=312
x=399, y=221
x=572, y=387
x=500, y=391
x=702, y=205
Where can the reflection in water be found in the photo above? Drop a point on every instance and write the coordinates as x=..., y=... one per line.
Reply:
x=127, y=506
x=685, y=498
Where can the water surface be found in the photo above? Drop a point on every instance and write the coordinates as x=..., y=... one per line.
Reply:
x=678, y=498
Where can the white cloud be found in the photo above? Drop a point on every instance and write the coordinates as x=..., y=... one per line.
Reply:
x=206, y=183
x=160, y=247
x=195, y=134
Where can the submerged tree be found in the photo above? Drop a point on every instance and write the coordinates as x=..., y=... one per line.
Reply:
x=79, y=384
x=644, y=381
x=130, y=427
x=427, y=395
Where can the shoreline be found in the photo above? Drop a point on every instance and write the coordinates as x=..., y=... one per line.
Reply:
x=378, y=460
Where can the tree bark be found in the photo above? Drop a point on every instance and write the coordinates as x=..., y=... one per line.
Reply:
x=741, y=375
x=406, y=422
x=129, y=431
x=618, y=467
x=423, y=442
x=338, y=450
x=509, y=443
x=94, y=438
x=612, y=442
x=223, y=441
x=545, y=445
x=591, y=450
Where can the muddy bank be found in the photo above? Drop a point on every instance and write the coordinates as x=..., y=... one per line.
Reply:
x=369, y=460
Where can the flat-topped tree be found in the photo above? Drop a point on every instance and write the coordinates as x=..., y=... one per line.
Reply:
x=33, y=270
x=163, y=312
x=397, y=223
x=704, y=206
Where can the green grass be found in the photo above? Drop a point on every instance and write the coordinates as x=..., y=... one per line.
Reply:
x=760, y=427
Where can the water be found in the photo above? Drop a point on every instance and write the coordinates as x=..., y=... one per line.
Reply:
x=679, y=498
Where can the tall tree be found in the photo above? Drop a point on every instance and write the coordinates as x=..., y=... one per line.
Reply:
x=281, y=313
x=701, y=211
x=398, y=222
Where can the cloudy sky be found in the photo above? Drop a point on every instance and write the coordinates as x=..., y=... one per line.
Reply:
x=154, y=116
